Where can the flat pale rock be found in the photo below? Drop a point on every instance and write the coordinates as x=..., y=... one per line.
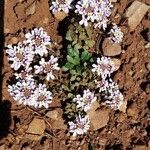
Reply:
x=141, y=147
x=37, y=126
x=117, y=63
x=123, y=107
x=111, y=49
x=98, y=119
x=53, y=114
x=60, y=15
x=135, y=13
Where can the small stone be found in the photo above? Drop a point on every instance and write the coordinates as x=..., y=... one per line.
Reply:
x=123, y=107
x=135, y=13
x=134, y=60
x=111, y=49
x=113, y=1
x=132, y=111
x=130, y=72
x=14, y=40
x=94, y=106
x=140, y=147
x=52, y=114
x=37, y=126
x=147, y=45
x=98, y=118
x=60, y=15
x=30, y=10
x=148, y=66
x=117, y=63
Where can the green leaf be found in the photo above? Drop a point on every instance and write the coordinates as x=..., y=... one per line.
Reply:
x=75, y=60
x=72, y=51
x=69, y=65
x=85, y=56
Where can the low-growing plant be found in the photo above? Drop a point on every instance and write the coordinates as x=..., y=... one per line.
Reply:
x=81, y=37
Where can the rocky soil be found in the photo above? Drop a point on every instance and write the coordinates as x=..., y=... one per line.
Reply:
x=24, y=128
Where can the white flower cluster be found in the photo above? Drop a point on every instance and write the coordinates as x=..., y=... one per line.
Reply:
x=110, y=93
x=81, y=124
x=104, y=67
x=23, y=58
x=115, y=34
x=95, y=11
x=109, y=89
x=61, y=5
x=86, y=101
x=27, y=92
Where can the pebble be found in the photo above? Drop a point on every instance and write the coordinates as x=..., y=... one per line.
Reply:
x=52, y=114
x=111, y=49
x=140, y=147
x=123, y=107
x=134, y=60
x=135, y=13
x=148, y=66
x=14, y=40
x=147, y=45
x=132, y=111
x=117, y=63
x=37, y=126
x=60, y=15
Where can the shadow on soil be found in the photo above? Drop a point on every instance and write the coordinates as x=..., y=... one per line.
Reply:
x=5, y=106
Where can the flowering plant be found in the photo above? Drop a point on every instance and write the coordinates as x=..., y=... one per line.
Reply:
x=24, y=58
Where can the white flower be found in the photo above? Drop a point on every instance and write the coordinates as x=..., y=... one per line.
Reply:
x=39, y=40
x=114, y=100
x=80, y=126
x=104, y=67
x=86, y=101
x=94, y=11
x=102, y=85
x=41, y=96
x=111, y=94
x=116, y=34
x=61, y=5
x=24, y=76
x=20, y=55
x=22, y=91
x=47, y=67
